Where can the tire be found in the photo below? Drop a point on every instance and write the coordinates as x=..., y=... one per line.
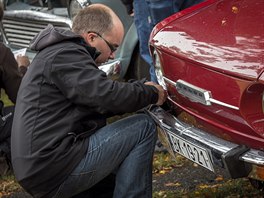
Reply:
x=138, y=68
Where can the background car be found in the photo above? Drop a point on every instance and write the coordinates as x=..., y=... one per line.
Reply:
x=24, y=19
x=210, y=59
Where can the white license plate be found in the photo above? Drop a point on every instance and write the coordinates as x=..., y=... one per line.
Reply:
x=191, y=151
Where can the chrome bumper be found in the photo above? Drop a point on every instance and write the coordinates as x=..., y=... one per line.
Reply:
x=238, y=160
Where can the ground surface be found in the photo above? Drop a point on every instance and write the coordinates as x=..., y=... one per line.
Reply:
x=173, y=179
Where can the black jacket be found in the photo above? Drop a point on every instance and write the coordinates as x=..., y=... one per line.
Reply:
x=62, y=100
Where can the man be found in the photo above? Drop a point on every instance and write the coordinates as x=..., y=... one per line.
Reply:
x=60, y=144
x=147, y=13
x=161, y=9
x=11, y=72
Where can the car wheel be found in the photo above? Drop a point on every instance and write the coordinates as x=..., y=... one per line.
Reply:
x=138, y=68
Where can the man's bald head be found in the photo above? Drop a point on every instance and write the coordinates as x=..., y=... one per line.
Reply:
x=97, y=18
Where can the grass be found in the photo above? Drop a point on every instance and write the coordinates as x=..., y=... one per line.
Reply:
x=5, y=98
x=8, y=185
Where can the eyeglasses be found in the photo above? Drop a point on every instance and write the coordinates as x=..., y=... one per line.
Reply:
x=111, y=46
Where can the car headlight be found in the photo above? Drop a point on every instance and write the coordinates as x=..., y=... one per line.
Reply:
x=158, y=70
x=76, y=5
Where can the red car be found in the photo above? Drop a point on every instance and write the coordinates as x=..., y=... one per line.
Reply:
x=210, y=59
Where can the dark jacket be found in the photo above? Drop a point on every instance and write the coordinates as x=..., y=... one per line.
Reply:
x=10, y=77
x=62, y=100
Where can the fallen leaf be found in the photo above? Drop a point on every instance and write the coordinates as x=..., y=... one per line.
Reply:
x=162, y=171
x=203, y=186
x=219, y=178
x=173, y=184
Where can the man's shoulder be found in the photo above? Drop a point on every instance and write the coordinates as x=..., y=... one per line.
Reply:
x=4, y=51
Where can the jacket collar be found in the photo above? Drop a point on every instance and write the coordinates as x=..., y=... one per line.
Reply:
x=92, y=50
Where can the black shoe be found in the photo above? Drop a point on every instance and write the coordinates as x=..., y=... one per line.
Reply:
x=5, y=165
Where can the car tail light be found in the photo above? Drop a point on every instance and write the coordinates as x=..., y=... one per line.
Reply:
x=158, y=69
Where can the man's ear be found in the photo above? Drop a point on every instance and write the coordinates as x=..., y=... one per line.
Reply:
x=88, y=37
x=91, y=36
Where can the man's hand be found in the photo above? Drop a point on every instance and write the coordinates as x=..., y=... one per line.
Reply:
x=162, y=92
x=23, y=61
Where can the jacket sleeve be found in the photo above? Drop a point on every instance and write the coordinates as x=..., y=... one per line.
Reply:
x=84, y=84
x=10, y=76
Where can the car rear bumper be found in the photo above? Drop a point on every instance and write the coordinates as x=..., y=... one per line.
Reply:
x=238, y=160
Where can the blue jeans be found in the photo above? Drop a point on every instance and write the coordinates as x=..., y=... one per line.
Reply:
x=144, y=28
x=161, y=9
x=147, y=13
x=125, y=148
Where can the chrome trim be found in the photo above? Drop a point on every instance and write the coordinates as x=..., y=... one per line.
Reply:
x=169, y=81
x=206, y=98
x=223, y=104
x=83, y=3
x=20, y=27
x=112, y=69
x=219, y=148
x=194, y=93
x=253, y=156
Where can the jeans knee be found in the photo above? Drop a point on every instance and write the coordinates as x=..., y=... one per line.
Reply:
x=149, y=127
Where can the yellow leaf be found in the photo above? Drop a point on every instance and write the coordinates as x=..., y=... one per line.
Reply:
x=219, y=178
x=203, y=186
x=162, y=172
x=173, y=184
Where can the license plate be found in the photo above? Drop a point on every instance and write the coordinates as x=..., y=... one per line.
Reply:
x=191, y=151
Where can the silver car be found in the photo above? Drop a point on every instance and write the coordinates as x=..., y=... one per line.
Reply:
x=23, y=19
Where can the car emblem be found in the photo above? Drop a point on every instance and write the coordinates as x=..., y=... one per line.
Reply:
x=197, y=94
x=194, y=93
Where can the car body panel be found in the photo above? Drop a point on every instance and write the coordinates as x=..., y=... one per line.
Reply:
x=211, y=60
x=222, y=35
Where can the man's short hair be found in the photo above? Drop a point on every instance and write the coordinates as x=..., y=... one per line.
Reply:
x=93, y=18
x=1, y=13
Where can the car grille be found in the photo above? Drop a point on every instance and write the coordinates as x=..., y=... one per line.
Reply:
x=20, y=27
